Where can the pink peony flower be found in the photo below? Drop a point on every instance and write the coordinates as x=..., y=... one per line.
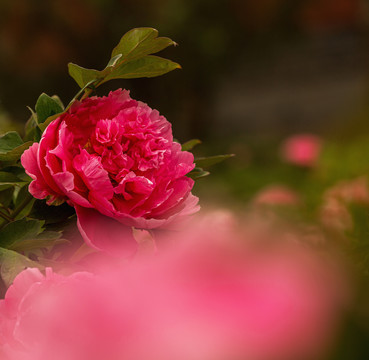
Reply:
x=302, y=149
x=114, y=159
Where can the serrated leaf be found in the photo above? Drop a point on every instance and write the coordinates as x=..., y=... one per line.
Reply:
x=12, y=263
x=198, y=173
x=15, y=153
x=205, y=162
x=46, y=106
x=148, y=66
x=189, y=145
x=10, y=141
x=20, y=230
x=140, y=42
x=81, y=75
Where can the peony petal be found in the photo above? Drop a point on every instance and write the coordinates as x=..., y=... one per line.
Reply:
x=93, y=174
x=180, y=190
x=48, y=141
x=66, y=183
x=20, y=286
x=38, y=187
x=104, y=233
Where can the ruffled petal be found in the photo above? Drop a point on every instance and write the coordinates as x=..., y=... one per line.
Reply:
x=38, y=187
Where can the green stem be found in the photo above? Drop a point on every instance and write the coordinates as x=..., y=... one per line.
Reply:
x=4, y=208
x=27, y=199
x=5, y=217
x=87, y=93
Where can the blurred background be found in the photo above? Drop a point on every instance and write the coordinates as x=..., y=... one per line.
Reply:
x=266, y=67
x=254, y=73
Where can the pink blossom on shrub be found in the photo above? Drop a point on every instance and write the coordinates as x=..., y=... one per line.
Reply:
x=114, y=159
x=302, y=149
x=350, y=191
x=276, y=195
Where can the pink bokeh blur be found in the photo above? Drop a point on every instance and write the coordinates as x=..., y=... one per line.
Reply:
x=217, y=294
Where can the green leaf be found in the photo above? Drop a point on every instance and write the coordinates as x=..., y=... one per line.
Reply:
x=83, y=76
x=57, y=99
x=131, y=58
x=46, y=106
x=19, y=172
x=44, y=240
x=32, y=132
x=12, y=263
x=49, y=235
x=148, y=66
x=6, y=196
x=10, y=141
x=7, y=178
x=189, y=145
x=113, y=61
x=140, y=42
x=4, y=187
x=23, y=203
x=15, y=154
x=20, y=230
x=28, y=245
x=205, y=162
x=45, y=124
x=198, y=173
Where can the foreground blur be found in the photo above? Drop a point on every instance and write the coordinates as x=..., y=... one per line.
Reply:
x=217, y=291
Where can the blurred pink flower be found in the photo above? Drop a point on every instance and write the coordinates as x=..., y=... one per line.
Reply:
x=302, y=149
x=334, y=211
x=211, y=298
x=276, y=195
x=114, y=159
x=350, y=191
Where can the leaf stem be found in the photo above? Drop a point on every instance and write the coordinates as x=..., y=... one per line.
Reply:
x=5, y=217
x=4, y=208
x=87, y=93
x=27, y=199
